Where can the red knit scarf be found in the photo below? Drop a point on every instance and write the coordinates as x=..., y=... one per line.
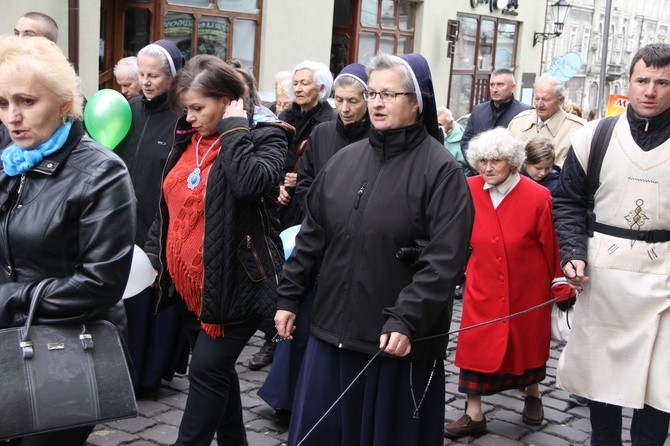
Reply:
x=186, y=225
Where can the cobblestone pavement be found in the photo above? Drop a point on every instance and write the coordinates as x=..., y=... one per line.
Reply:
x=565, y=424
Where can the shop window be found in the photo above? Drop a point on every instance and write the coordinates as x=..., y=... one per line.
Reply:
x=196, y=3
x=244, y=41
x=505, y=46
x=482, y=45
x=460, y=98
x=385, y=26
x=137, y=30
x=224, y=28
x=250, y=6
x=367, y=46
x=486, y=41
x=464, y=56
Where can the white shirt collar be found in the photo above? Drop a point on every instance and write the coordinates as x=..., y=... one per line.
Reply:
x=499, y=192
x=506, y=186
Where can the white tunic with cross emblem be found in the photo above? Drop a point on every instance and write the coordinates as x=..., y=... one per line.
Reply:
x=619, y=347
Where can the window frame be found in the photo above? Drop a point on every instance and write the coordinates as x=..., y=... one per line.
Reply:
x=479, y=91
x=214, y=11
x=380, y=31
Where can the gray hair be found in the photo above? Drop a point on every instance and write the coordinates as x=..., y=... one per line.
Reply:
x=446, y=112
x=155, y=51
x=130, y=63
x=283, y=83
x=282, y=76
x=50, y=26
x=497, y=143
x=348, y=81
x=322, y=78
x=559, y=87
x=384, y=61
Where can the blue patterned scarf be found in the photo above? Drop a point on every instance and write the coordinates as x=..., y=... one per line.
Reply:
x=17, y=160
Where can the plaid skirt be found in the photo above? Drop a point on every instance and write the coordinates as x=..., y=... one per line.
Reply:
x=477, y=383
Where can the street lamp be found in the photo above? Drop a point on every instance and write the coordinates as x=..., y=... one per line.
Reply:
x=560, y=11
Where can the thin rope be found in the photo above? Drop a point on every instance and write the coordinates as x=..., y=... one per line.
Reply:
x=341, y=395
x=481, y=324
x=376, y=355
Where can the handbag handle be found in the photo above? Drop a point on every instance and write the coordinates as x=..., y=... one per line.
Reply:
x=26, y=344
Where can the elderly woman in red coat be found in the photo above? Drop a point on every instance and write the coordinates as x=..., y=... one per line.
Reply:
x=514, y=259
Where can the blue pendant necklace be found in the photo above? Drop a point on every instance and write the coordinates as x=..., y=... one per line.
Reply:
x=195, y=176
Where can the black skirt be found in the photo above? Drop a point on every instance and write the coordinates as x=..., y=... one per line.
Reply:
x=378, y=410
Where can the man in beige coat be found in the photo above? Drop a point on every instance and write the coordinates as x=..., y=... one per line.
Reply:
x=547, y=118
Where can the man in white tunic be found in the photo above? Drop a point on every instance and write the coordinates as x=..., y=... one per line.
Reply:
x=619, y=349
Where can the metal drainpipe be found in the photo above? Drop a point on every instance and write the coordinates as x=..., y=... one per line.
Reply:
x=602, y=100
x=73, y=33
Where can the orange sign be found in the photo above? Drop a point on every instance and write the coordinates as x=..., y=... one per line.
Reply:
x=616, y=104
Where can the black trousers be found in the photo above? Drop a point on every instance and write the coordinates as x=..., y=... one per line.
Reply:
x=648, y=428
x=214, y=404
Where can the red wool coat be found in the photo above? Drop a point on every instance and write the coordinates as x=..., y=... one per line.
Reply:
x=515, y=256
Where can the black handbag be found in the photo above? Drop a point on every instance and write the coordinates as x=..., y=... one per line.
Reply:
x=55, y=377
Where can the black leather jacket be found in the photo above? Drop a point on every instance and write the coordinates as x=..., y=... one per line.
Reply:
x=242, y=251
x=71, y=221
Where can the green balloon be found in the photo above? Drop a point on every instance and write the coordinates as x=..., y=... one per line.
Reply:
x=107, y=117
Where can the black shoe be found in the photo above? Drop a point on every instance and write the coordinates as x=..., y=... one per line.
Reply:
x=263, y=357
x=533, y=412
x=578, y=400
x=147, y=393
x=464, y=426
x=283, y=417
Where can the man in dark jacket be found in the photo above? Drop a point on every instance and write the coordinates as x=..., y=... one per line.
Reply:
x=497, y=112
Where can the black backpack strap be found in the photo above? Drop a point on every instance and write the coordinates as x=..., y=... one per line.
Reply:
x=601, y=140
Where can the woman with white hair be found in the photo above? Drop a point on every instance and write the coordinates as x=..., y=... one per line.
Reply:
x=351, y=125
x=514, y=259
x=311, y=85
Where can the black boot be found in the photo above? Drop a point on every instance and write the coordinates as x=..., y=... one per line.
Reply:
x=263, y=357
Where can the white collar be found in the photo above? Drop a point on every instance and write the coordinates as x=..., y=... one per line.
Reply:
x=506, y=186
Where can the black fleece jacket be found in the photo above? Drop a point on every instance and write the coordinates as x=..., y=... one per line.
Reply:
x=144, y=150
x=373, y=197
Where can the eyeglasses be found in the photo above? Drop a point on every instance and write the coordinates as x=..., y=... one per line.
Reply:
x=385, y=96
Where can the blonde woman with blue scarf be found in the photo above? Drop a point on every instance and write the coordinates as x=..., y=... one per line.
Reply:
x=67, y=213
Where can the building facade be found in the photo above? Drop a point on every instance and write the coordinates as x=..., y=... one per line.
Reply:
x=463, y=40
x=577, y=53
